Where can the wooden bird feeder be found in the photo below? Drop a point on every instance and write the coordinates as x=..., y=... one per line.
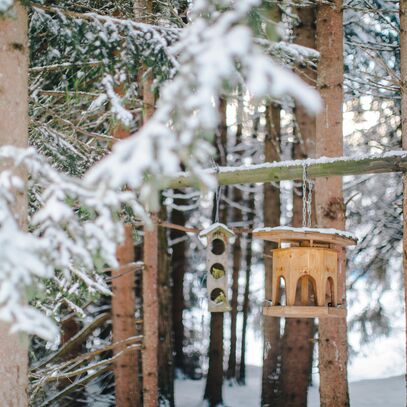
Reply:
x=216, y=260
x=306, y=259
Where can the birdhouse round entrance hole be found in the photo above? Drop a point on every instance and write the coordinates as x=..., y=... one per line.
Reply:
x=218, y=246
x=305, y=267
x=218, y=296
x=217, y=271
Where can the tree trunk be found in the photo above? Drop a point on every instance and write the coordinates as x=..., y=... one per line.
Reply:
x=214, y=379
x=178, y=264
x=124, y=324
x=14, y=131
x=270, y=393
x=151, y=304
x=165, y=346
x=150, y=316
x=333, y=350
x=246, y=304
x=237, y=259
x=403, y=88
x=237, y=256
x=298, y=339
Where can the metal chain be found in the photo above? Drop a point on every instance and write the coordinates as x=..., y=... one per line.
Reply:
x=218, y=196
x=307, y=186
x=309, y=202
x=218, y=192
x=304, y=196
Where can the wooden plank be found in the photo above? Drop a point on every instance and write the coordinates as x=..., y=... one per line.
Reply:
x=300, y=311
x=394, y=161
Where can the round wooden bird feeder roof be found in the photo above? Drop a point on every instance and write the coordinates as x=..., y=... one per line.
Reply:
x=284, y=234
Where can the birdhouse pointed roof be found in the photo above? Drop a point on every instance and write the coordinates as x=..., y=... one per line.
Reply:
x=217, y=228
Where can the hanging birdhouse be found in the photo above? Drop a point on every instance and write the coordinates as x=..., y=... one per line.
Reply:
x=305, y=267
x=216, y=261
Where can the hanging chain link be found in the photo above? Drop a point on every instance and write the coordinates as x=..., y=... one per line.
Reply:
x=307, y=187
x=304, y=196
x=218, y=193
x=309, y=202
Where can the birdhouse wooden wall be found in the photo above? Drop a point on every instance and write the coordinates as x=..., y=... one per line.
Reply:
x=304, y=265
x=217, y=267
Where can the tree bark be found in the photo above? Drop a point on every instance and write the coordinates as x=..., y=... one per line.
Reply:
x=178, y=265
x=271, y=391
x=14, y=131
x=403, y=89
x=165, y=344
x=237, y=256
x=150, y=316
x=214, y=380
x=237, y=259
x=246, y=295
x=124, y=325
x=298, y=339
x=333, y=350
x=151, y=303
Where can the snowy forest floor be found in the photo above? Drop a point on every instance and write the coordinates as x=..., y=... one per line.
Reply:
x=389, y=392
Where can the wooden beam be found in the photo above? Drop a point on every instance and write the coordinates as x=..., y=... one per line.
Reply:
x=303, y=311
x=393, y=161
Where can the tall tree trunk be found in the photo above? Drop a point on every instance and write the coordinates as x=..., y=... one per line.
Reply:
x=165, y=345
x=270, y=391
x=126, y=367
x=214, y=379
x=14, y=131
x=150, y=316
x=178, y=265
x=151, y=305
x=237, y=259
x=246, y=304
x=158, y=374
x=333, y=349
x=403, y=88
x=298, y=344
x=124, y=324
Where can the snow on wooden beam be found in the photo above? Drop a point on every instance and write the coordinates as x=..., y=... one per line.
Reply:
x=393, y=161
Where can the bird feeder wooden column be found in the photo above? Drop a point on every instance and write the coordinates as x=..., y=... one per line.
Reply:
x=216, y=260
x=306, y=260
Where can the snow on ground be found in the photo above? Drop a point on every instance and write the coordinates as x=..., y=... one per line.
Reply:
x=389, y=392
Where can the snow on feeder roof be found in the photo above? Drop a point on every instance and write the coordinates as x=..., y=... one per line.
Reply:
x=288, y=234
x=217, y=228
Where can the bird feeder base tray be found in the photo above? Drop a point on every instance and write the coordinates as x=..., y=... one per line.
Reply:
x=303, y=312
